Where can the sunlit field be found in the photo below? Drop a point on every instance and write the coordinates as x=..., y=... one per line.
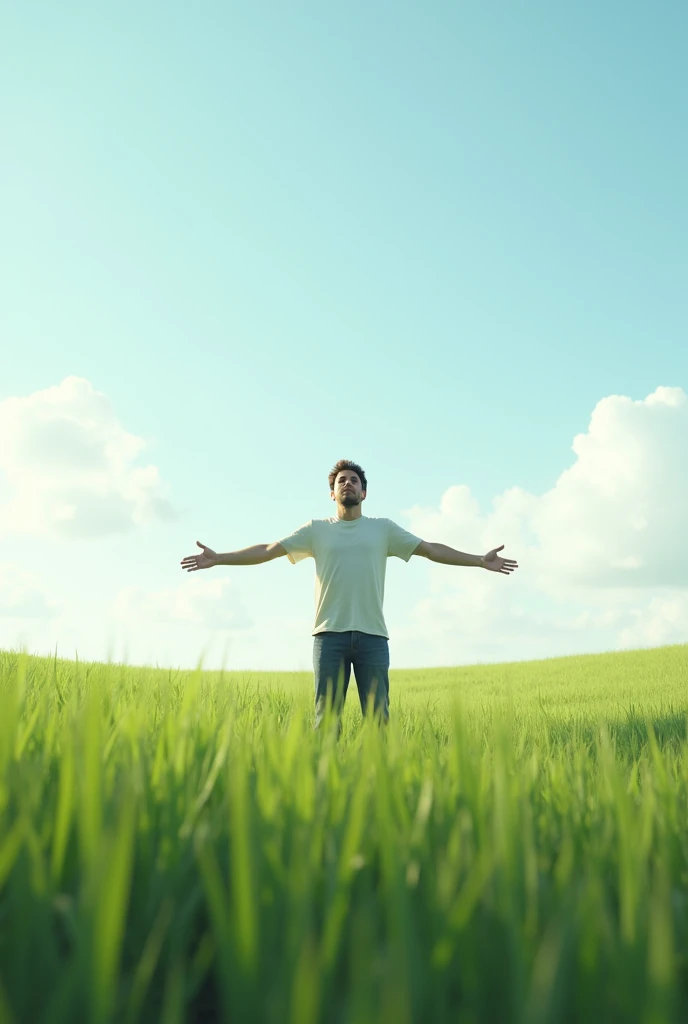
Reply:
x=179, y=846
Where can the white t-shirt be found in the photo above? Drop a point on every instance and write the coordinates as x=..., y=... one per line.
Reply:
x=350, y=564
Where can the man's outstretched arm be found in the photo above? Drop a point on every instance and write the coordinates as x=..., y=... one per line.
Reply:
x=450, y=556
x=255, y=555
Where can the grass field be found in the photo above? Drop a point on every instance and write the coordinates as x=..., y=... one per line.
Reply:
x=182, y=847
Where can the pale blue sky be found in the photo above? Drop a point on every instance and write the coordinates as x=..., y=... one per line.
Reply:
x=430, y=238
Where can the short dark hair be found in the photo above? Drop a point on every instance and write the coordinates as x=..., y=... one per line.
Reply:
x=347, y=464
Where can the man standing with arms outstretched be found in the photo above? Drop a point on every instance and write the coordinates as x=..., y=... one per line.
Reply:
x=350, y=552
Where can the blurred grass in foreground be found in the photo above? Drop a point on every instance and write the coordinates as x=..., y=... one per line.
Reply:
x=182, y=846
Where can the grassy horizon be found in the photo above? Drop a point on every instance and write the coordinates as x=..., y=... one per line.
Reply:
x=180, y=845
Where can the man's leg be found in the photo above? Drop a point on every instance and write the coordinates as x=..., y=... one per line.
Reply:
x=332, y=670
x=370, y=657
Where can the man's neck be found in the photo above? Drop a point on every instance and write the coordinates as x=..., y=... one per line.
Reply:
x=348, y=513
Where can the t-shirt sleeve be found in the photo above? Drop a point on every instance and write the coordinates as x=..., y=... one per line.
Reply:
x=299, y=544
x=401, y=543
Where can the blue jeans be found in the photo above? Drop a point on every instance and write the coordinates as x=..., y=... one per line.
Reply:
x=333, y=656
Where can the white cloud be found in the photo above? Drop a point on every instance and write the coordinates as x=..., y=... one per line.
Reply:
x=22, y=596
x=663, y=620
x=601, y=555
x=211, y=604
x=617, y=516
x=69, y=464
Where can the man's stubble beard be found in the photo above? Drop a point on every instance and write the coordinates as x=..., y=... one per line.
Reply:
x=349, y=501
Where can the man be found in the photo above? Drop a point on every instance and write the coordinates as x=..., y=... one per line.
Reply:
x=350, y=552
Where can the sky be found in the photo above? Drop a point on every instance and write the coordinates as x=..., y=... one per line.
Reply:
x=240, y=242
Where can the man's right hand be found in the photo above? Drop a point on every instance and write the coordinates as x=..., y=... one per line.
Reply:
x=206, y=560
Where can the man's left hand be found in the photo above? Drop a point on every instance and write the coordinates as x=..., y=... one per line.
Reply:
x=494, y=563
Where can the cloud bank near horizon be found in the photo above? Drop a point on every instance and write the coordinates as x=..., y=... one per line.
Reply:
x=69, y=467
x=600, y=553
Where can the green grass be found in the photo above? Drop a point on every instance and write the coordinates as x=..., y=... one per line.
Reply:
x=182, y=847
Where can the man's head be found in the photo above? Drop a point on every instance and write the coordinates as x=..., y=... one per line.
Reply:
x=348, y=483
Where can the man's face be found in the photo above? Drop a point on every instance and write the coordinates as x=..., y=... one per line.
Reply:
x=348, y=490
